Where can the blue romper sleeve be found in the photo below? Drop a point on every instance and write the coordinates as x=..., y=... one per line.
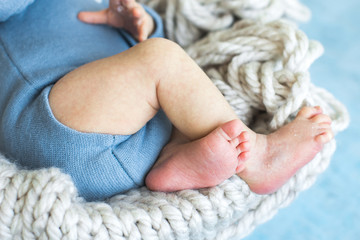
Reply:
x=11, y=7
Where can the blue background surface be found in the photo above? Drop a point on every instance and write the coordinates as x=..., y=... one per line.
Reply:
x=330, y=209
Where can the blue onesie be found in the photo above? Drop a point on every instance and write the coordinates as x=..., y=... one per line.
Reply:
x=40, y=42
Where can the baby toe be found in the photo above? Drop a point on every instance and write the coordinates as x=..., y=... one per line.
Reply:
x=230, y=130
x=243, y=156
x=324, y=125
x=244, y=146
x=309, y=112
x=321, y=118
x=240, y=168
x=324, y=137
x=244, y=136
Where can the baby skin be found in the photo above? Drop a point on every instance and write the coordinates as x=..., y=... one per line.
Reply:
x=126, y=14
x=265, y=162
x=209, y=143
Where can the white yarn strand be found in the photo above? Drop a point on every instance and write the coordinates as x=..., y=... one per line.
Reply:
x=259, y=62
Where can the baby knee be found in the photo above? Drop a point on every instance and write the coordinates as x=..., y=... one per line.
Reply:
x=162, y=51
x=162, y=43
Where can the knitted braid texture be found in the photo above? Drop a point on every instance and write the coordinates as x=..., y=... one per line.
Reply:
x=260, y=62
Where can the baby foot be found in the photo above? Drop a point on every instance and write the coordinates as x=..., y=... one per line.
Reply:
x=127, y=14
x=202, y=163
x=277, y=157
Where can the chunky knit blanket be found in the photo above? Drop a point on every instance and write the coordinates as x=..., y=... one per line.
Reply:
x=260, y=63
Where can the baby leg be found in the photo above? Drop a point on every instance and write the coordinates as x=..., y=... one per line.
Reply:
x=120, y=94
x=152, y=75
x=213, y=142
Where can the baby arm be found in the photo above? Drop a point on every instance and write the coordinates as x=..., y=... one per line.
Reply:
x=126, y=14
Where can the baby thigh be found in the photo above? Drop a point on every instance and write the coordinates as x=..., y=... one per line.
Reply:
x=114, y=95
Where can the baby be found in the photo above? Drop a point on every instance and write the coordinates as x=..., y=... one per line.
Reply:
x=115, y=114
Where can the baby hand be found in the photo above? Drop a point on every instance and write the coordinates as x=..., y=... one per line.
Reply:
x=127, y=14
